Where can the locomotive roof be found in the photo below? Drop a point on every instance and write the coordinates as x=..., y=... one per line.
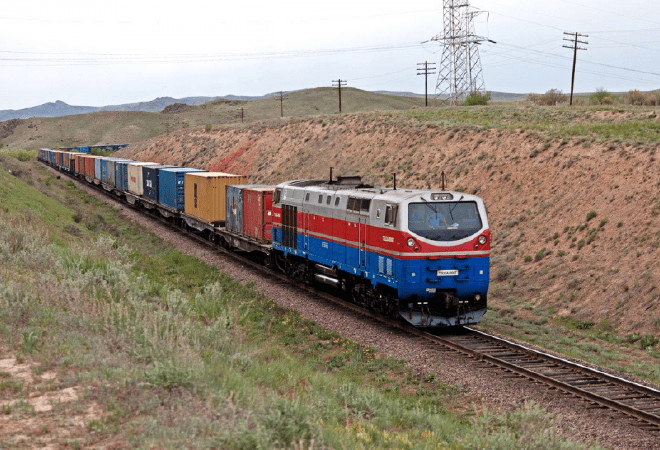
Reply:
x=383, y=193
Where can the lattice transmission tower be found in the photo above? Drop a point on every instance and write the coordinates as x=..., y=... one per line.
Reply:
x=460, y=68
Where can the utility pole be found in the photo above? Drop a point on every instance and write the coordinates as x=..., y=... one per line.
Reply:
x=338, y=84
x=575, y=41
x=241, y=114
x=425, y=71
x=281, y=99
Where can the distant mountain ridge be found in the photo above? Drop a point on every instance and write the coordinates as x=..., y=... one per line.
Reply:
x=60, y=108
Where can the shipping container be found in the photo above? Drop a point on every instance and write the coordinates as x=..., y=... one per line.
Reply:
x=89, y=163
x=60, y=159
x=80, y=167
x=83, y=149
x=97, y=168
x=135, y=177
x=72, y=162
x=235, y=208
x=66, y=160
x=258, y=212
x=108, y=168
x=171, y=185
x=206, y=195
x=121, y=174
x=150, y=179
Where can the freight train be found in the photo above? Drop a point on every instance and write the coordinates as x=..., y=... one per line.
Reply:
x=419, y=255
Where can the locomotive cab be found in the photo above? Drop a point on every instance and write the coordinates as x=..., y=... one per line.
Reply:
x=446, y=267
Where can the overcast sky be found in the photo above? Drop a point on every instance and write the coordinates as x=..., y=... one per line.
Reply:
x=103, y=53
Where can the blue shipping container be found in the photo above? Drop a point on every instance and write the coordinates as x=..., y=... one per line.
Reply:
x=171, y=186
x=150, y=180
x=121, y=174
x=234, y=205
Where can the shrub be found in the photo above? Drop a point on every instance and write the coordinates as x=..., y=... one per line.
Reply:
x=550, y=98
x=601, y=97
x=591, y=215
x=639, y=98
x=539, y=256
x=648, y=340
x=477, y=98
x=207, y=127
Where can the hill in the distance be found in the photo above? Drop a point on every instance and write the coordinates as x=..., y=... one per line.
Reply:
x=60, y=108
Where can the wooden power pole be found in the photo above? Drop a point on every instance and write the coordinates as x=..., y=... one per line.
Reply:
x=281, y=98
x=425, y=71
x=575, y=41
x=338, y=84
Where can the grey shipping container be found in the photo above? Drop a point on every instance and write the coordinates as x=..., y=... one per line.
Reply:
x=97, y=168
x=235, y=215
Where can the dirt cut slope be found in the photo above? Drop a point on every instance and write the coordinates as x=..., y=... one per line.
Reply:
x=575, y=223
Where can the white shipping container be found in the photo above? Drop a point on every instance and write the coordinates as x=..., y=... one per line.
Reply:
x=135, y=178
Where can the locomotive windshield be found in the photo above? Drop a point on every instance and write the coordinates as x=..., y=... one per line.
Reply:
x=446, y=221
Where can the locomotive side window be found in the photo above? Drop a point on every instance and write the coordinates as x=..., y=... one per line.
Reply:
x=337, y=201
x=320, y=198
x=328, y=202
x=350, y=206
x=390, y=215
x=307, y=197
x=366, y=204
x=277, y=196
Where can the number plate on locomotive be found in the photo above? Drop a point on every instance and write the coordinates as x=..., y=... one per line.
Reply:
x=447, y=273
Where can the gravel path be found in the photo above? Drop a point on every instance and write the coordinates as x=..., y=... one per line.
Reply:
x=481, y=386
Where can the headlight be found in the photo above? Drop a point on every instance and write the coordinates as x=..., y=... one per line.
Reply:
x=411, y=242
x=483, y=240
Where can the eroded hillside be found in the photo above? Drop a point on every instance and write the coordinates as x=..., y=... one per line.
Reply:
x=575, y=223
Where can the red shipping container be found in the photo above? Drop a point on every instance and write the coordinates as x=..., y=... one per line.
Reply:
x=79, y=164
x=89, y=165
x=258, y=213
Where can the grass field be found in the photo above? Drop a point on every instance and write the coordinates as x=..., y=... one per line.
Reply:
x=166, y=352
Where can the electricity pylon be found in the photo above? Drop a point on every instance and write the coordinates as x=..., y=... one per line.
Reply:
x=460, y=68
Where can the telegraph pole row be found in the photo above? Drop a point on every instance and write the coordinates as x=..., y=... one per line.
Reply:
x=241, y=114
x=338, y=84
x=425, y=71
x=281, y=99
x=575, y=41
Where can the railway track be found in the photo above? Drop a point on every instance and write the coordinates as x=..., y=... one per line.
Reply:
x=600, y=389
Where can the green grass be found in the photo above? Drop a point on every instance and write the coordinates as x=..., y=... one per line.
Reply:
x=554, y=122
x=179, y=355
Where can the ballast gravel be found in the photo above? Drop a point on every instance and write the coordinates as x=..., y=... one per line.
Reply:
x=480, y=386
